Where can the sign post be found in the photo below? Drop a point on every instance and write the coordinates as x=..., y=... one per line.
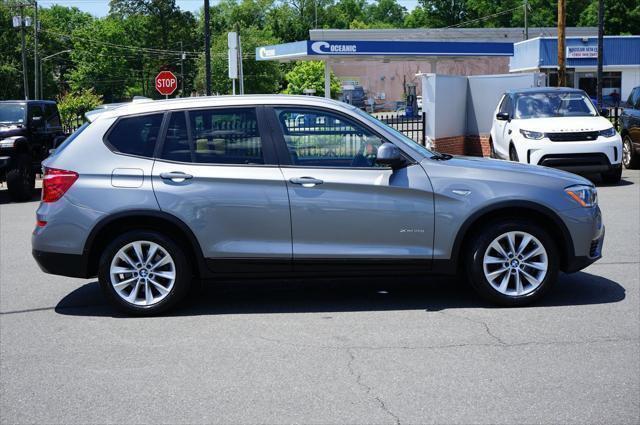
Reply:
x=232, y=44
x=166, y=83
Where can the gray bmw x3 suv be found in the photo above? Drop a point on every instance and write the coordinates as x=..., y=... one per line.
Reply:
x=151, y=195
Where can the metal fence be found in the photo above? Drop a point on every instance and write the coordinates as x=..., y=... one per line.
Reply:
x=614, y=117
x=412, y=127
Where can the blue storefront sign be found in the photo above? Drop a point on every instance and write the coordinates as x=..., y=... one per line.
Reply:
x=301, y=49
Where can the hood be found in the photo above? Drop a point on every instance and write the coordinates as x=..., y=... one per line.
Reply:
x=564, y=124
x=516, y=171
x=11, y=130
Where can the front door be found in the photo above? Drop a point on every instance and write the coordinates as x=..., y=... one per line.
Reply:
x=344, y=207
x=217, y=172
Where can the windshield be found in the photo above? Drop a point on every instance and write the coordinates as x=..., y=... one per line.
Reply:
x=408, y=141
x=12, y=113
x=544, y=105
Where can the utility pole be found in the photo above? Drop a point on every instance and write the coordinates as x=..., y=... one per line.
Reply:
x=240, y=73
x=24, y=54
x=562, y=68
x=181, y=69
x=207, y=49
x=600, y=51
x=526, y=20
x=36, y=80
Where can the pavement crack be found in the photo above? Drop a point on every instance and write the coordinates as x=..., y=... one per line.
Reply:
x=368, y=390
x=487, y=329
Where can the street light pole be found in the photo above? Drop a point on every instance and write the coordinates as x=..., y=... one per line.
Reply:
x=600, y=51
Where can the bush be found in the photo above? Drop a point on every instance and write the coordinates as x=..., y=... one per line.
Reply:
x=74, y=105
x=310, y=75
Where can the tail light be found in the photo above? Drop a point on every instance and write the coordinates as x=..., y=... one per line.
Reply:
x=55, y=183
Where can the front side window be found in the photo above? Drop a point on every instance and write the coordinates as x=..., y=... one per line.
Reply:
x=545, y=105
x=323, y=139
x=136, y=135
x=214, y=136
x=12, y=113
x=504, y=107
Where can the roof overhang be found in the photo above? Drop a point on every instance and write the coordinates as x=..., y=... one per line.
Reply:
x=395, y=50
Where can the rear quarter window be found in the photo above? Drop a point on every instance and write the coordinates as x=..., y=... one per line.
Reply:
x=135, y=135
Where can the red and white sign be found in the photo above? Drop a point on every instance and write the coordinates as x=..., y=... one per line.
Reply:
x=166, y=83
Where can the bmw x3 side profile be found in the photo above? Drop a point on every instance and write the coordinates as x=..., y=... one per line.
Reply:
x=151, y=195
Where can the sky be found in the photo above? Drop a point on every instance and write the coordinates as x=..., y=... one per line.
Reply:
x=101, y=7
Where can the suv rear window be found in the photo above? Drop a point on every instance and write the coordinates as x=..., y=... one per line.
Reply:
x=136, y=135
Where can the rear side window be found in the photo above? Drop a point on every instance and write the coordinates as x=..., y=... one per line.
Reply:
x=136, y=135
x=214, y=136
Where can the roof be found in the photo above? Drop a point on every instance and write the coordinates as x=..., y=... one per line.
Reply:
x=27, y=101
x=544, y=90
x=151, y=106
x=446, y=34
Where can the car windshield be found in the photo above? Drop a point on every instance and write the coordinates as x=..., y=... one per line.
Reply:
x=544, y=105
x=12, y=113
x=409, y=142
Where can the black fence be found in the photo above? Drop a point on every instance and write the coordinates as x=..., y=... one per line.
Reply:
x=412, y=127
x=614, y=117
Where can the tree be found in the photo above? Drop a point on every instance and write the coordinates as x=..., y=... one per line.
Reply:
x=310, y=75
x=260, y=77
x=73, y=105
x=620, y=17
x=387, y=12
x=444, y=13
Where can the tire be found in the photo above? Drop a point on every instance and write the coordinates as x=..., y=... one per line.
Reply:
x=119, y=286
x=21, y=180
x=613, y=176
x=630, y=159
x=513, y=154
x=480, y=250
x=492, y=151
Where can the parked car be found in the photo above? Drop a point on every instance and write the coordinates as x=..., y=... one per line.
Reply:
x=556, y=127
x=630, y=130
x=28, y=130
x=152, y=195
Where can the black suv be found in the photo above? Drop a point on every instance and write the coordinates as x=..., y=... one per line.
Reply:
x=630, y=130
x=28, y=130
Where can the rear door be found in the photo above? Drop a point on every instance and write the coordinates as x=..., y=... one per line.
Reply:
x=216, y=170
x=344, y=207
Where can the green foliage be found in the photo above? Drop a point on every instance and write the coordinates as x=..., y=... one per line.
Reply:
x=310, y=75
x=620, y=17
x=74, y=105
x=260, y=77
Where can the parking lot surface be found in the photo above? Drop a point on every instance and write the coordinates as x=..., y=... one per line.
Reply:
x=369, y=351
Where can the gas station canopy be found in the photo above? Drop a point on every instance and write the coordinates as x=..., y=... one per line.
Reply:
x=400, y=50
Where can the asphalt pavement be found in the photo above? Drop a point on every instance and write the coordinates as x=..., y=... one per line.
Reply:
x=325, y=352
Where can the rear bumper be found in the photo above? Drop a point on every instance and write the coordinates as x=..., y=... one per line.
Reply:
x=71, y=265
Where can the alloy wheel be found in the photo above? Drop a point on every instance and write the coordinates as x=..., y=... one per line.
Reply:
x=626, y=152
x=142, y=273
x=515, y=263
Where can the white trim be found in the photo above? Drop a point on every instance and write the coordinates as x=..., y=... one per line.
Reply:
x=533, y=68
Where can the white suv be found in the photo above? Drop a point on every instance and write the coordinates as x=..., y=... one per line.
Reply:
x=556, y=127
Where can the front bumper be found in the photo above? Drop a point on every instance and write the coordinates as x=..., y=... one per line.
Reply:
x=577, y=263
x=595, y=156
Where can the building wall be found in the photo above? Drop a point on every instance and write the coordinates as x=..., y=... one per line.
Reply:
x=385, y=80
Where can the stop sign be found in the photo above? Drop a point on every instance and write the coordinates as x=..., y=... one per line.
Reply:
x=166, y=83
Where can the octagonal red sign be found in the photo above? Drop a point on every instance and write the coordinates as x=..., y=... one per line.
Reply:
x=166, y=83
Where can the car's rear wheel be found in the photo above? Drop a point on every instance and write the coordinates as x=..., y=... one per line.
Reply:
x=512, y=262
x=144, y=273
x=629, y=158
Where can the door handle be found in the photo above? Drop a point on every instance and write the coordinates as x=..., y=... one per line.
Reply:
x=176, y=176
x=306, y=181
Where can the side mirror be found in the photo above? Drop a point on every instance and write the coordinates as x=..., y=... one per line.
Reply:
x=389, y=156
x=604, y=112
x=502, y=116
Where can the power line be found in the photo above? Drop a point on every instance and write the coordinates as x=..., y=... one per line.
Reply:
x=484, y=17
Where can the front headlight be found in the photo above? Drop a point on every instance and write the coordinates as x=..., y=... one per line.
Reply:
x=586, y=196
x=609, y=132
x=532, y=134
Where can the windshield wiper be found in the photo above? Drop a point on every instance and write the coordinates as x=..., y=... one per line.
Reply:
x=441, y=156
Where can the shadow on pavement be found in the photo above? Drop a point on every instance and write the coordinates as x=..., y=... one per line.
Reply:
x=4, y=195
x=297, y=296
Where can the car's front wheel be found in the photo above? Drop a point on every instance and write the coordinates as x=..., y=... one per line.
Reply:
x=144, y=273
x=513, y=154
x=629, y=158
x=512, y=262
